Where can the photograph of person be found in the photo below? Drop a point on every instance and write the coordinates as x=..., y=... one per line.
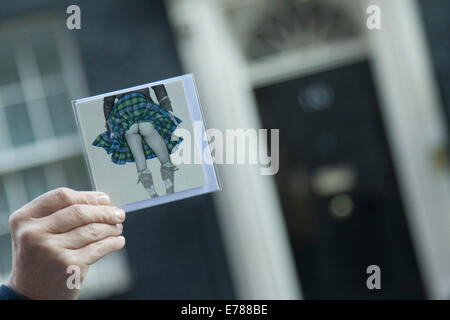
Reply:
x=139, y=129
x=140, y=143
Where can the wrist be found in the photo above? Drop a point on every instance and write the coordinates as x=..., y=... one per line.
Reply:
x=11, y=283
x=10, y=290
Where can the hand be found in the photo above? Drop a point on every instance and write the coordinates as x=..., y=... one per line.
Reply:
x=61, y=228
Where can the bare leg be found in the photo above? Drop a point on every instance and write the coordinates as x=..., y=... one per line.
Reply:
x=167, y=174
x=134, y=140
x=156, y=142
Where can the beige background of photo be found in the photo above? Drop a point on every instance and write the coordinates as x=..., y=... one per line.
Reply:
x=119, y=181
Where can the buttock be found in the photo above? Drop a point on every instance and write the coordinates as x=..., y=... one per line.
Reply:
x=134, y=129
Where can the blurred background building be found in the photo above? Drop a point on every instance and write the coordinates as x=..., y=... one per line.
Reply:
x=363, y=118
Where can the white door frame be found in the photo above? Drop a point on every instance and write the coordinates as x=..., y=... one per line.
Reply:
x=248, y=207
x=249, y=210
x=416, y=130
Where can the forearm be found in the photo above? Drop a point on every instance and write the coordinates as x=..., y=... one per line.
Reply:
x=163, y=97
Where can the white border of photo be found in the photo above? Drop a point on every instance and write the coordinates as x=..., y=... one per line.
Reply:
x=200, y=138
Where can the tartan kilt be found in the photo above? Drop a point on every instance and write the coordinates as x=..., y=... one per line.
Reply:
x=130, y=109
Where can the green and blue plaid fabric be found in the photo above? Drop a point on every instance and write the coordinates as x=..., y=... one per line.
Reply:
x=130, y=109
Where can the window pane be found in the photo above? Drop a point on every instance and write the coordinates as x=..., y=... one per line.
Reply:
x=4, y=224
x=53, y=84
x=61, y=114
x=55, y=175
x=35, y=183
x=42, y=126
x=77, y=175
x=4, y=210
x=11, y=94
x=46, y=53
x=5, y=251
x=3, y=202
x=8, y=72
x=19, y=124
x=4, y=135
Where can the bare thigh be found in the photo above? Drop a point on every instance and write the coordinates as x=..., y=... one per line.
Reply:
x=134, y=140
x=154, y=141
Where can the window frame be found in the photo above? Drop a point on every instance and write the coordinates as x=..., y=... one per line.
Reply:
x=111, y=275
x=47, y=148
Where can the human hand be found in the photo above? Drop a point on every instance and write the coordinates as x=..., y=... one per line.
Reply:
x=61, y=228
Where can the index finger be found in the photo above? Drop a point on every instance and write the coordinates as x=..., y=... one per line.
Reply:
x=61, y=198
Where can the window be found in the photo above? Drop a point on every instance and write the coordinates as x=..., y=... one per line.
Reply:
x=39, y=143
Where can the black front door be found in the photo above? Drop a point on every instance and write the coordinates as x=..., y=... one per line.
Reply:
x=337, y=186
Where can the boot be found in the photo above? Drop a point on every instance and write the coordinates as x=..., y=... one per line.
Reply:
x=167, y=174
x=145, y=177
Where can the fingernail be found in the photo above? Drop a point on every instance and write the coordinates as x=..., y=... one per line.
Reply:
x=119, y=212
x=119, y=226
x=103, y=199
